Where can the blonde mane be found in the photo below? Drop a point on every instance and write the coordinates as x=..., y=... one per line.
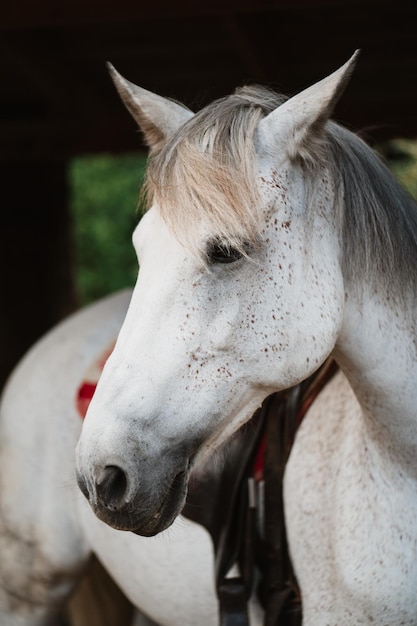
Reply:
x=203, y=179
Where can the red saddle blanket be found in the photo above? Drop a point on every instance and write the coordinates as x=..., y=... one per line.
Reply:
x=88, y=386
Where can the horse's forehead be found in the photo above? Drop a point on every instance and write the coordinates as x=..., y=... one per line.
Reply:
x=151, y=231
x=276, y=184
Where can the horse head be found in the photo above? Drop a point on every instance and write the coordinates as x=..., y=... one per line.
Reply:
x=240, y=290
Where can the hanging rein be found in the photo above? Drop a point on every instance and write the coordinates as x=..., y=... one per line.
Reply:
x=242, y=507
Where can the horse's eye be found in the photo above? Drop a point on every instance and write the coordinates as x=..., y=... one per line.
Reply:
x=218, y=252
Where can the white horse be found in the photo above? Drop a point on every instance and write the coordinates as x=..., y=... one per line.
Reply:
x=276, y=238
x=242, y=291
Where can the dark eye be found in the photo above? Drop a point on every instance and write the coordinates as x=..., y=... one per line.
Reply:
x=218, y=252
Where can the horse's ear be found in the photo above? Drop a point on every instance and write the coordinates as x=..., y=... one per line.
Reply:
x=301, y=119
x=157, y=117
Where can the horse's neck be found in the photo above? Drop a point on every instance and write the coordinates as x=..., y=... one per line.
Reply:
x=377, y=349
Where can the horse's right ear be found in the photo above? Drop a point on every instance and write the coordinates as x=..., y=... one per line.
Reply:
x=157, y=117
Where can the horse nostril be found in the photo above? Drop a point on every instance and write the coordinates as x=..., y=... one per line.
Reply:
x=111, y=488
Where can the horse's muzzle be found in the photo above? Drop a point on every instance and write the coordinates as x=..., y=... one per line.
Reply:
x=128, y=504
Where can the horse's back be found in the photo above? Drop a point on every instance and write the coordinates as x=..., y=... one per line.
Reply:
x=42, y=546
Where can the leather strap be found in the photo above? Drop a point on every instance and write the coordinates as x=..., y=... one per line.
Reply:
x=280, y=592
x=285, y=412
x=226, y=507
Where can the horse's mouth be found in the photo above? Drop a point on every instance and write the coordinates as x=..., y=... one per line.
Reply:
x=168, y=510
x=148, y=521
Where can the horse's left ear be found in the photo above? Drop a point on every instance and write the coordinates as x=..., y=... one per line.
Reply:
x=302, y=118
x=157, y=117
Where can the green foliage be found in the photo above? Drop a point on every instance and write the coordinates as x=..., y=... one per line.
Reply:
x=402, y=160
x=104, y=206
